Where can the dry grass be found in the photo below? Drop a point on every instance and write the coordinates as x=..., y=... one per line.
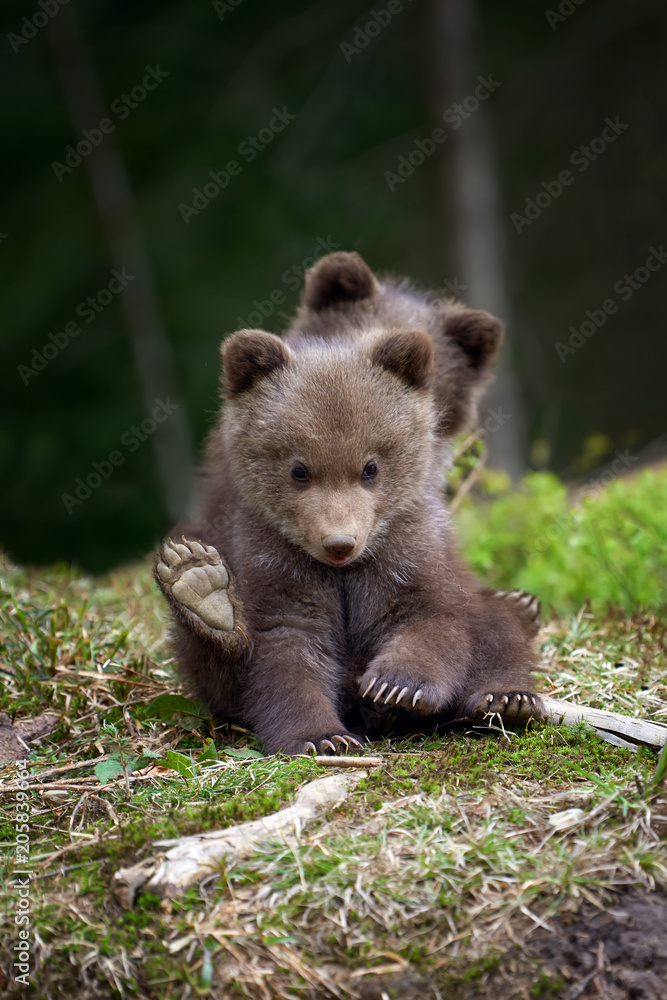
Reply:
x=454, y=848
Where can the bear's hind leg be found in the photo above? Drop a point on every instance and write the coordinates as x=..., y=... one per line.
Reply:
x=501, y=678
x=526, y=606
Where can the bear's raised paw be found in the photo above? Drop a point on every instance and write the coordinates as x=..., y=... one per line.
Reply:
x=198, y=580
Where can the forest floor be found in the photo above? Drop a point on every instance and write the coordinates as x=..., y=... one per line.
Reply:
x=465, y=865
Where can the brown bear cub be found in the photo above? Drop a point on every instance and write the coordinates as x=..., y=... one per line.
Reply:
x=321, y=599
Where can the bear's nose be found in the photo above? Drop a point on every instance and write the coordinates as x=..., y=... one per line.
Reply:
x=338, y=546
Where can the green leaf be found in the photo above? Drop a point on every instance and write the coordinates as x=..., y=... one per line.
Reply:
x=208, y=752
x=109, y=769
x=661, y=770
x=165, y=706
x=178, y=762
x=143, y=760
x=106, y=770
x=243, y=753
x=188, y=722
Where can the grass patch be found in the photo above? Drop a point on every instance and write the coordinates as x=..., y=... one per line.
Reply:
x=603, y=546
x=417, y=883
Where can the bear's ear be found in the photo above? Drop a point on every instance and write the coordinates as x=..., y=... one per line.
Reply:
x=477, y=333
x=336, y=279
x=408, y=354
x=249, y=355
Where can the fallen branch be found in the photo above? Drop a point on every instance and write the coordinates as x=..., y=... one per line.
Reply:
x=467, y=485
x=621, y=730
x=331, y=761
x=188, y=860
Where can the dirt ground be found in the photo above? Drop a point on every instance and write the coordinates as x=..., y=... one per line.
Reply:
x=618, y=954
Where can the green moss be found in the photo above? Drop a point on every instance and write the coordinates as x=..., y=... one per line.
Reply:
x=482, y=967
x=547, y=985
x=543, y=753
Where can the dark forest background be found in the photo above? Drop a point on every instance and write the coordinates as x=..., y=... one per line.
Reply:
x=362, y=98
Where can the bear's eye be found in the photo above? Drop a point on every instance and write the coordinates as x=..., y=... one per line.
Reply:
x=300, y=473
x=370, y=471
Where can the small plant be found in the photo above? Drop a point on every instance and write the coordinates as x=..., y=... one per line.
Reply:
x=607, y=546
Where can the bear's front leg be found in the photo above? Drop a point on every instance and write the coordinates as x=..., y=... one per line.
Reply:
x=289, y=701
x=196, y=582
x=211, y=637
x=421, y=668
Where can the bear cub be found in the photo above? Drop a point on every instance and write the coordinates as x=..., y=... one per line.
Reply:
x=320, y=599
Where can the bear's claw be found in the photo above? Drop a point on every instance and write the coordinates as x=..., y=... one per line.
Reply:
x=198, y=580
x=398, y=691
x=517, y=708
x=333, y=744
x=529, y=603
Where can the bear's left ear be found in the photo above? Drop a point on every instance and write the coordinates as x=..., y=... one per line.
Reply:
x=408, y=354
x=249, y=355
x=336, y=279
x=477, y=333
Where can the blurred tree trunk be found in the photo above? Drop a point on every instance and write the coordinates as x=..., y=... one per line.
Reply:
x=172, y=440
x=474, y=203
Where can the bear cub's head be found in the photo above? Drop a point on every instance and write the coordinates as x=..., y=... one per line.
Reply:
x=330, y=442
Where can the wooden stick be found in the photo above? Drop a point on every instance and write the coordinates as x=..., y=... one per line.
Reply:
x=621, y=730
x=331, y=761
x=178, y=864
x=467, y=485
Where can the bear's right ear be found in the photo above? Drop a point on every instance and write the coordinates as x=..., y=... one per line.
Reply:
x=408, y=354
x=249, y=355
x=336, y=279
x=477, y=333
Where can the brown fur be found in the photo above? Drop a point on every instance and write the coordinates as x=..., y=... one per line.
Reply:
x=465, y=341
x=371, y=374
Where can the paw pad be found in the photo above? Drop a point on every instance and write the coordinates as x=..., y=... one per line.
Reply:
x=198, y=580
